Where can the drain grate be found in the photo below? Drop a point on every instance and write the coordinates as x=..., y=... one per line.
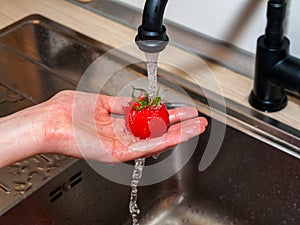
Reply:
x=76, y=179
x=55, y=194
x=73, y=181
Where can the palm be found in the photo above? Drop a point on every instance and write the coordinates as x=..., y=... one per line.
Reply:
x=100, y=132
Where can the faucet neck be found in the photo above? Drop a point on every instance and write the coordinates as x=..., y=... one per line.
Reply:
x=153, y=15
x=274, y=34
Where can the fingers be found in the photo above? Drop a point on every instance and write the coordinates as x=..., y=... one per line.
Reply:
x=116, y=105
x=177, y=133
x=181, y=114
x=185, y=130
x=124, y=148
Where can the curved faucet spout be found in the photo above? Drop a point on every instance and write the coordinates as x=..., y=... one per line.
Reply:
x=152, y=35
x=153, y=15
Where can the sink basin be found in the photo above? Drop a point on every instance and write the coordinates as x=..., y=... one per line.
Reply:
x=254, y=179
x=248, y=183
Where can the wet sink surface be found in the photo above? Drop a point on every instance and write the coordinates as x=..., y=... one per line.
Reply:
x=38, y=59
x=249, y=182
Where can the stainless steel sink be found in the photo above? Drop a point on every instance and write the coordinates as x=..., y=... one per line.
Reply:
x=38, y=58
x=249, y=183
x=255, y=178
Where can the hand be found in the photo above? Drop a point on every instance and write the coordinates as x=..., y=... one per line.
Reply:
x=83, y=125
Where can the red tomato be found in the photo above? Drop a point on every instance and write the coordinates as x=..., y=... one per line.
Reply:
x=146, y=118
x=148, y=122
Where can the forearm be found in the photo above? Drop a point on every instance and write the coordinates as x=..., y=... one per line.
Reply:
x=50, y=127
x=21, y=135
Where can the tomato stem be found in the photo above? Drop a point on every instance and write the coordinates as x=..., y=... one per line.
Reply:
x=143, y=100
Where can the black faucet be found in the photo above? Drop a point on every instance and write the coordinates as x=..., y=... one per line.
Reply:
x=152, y=35
x=275, y=69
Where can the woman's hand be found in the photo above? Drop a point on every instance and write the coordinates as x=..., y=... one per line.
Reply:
x=85, y=125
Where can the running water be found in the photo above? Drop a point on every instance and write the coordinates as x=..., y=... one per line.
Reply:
x=136, y=177
x=151, y=61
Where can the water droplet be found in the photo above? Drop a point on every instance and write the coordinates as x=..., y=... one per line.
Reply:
x=185, y=220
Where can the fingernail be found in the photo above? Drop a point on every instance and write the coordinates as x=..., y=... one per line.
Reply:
x=203, y=121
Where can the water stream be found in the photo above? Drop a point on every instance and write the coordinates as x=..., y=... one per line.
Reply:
x=136, y=177
x=151, y=61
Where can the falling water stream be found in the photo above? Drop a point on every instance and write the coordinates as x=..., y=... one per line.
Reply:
x=136, y=177
x=151, y=61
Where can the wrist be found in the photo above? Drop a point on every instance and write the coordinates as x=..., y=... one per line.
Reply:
x=56, y=127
